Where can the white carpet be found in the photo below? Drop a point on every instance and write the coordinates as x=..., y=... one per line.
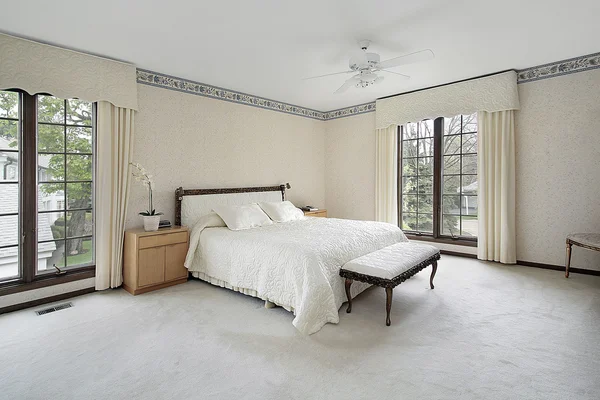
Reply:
x=486, y=332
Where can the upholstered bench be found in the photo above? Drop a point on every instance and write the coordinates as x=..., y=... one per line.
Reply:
x=389, y=267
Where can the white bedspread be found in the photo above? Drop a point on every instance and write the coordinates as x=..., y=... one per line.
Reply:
x=294, y=264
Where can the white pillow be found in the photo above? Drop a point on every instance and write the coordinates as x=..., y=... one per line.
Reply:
x=281, y=211
x=243, y=217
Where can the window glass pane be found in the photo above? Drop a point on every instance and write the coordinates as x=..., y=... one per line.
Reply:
x=452, y=125
x=9, y=198
x=49, y=254
x=469, y=164
x=79, y=252
x=409, y=148
x=450, y=225
x=426, y=128
x=409, y=166
x=451, y=184
x=469, y=226
x=9, y=134
x=409, y=222
x=425, y=223
x=452, y=144
x=469, y=123
x=51, y=167
x=409, y=184
x=426, y=166
x=425, y=148
x=425, y=184
x=79, y=223
x=469, y=206
x=51, y=109
x=425, y=203
x=10, y=267
x=409, y=203
x=9, y=236
x=469, y=143
x=51, y=226
x=51, y=196
x=409, y=131
x=469, y=184
x=79, y=112
x=51, y=138
x=451, y=165
x=451, y=204
x=79, y=168
x=79, y=140
x=9, y=105
x=79, y=195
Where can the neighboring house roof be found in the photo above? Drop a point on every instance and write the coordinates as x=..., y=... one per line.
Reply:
x=10, y=225
x=471, y=188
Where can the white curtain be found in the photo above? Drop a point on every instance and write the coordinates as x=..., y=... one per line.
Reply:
x=386, y=175
x=115, y=129
x=496, y=177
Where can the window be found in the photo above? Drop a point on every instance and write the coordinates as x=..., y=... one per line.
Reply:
x=46, y=214
x=438, y=192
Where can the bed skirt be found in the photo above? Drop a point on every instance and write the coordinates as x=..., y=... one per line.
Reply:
x=248, y=292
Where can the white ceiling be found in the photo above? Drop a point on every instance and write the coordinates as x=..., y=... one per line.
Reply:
x=266, y=47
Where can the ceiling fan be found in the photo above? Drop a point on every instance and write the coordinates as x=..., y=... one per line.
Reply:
x=367, y=65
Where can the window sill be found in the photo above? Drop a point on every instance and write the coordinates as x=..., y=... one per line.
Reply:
x=457, y=242
x=41, y=281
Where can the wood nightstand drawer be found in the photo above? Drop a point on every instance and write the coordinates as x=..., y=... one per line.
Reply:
x=162, y=240
x=317, y=213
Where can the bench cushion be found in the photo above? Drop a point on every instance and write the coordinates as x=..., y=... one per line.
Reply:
x=392, y=261
x=586, y=239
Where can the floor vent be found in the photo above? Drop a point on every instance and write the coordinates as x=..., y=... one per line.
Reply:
x=55, y=308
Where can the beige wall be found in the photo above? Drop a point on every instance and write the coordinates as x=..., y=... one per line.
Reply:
x=350, y=167
x=196, y=142
x=558, y=167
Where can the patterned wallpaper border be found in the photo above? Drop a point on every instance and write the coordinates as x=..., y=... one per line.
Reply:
x=145, y=77
x=559, y=68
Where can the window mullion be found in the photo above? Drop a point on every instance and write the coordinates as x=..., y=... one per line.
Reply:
x=438, y=131
x=29, y=188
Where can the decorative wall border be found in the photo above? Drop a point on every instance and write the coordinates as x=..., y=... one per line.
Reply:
x=151, y=78
x=558, y=68
x=145, y=77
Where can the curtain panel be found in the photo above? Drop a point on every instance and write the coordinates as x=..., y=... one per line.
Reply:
x=115, y=131
x=492, y=93
x=40, y=68
x=496, y=177
x=386, y=175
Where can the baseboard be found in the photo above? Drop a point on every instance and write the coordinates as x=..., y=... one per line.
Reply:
x=533, y=264
x=559, y=268
x=45, y=300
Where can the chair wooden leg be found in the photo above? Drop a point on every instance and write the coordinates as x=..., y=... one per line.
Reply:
x=433, y=271
x=348, y=284
x=568, y=263
x=388, y=304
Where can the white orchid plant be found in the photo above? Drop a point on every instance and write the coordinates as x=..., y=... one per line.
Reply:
x=141, y=175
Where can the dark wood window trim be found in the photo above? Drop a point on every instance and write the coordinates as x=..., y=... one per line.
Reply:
x=436, y=236
x=28, y=279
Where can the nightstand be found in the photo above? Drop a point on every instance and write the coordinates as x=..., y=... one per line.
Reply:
x=317, y=213
x=154, y=260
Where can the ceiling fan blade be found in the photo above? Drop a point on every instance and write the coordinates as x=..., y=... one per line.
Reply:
x=322, y=76
x=348, y=84
x=395, y=73
x=419, y=56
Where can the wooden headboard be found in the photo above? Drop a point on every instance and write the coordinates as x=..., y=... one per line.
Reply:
x=181, y=192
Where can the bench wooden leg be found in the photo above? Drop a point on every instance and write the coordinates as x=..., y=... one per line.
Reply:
x=348, y=284
x=388, y=304
x=568, y=263
x=433, y=271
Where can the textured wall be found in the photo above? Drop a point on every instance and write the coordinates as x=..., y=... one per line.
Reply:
x=196, y=142
x=558, y=167
x=350, y=167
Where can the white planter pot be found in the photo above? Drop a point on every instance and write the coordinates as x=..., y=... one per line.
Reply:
x=151, y=222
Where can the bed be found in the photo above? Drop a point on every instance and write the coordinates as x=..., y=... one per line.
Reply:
x=294, y=264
